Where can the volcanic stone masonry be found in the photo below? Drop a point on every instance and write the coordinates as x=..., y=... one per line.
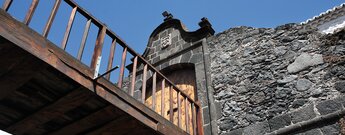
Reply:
x=253, y=81
x=267, y=80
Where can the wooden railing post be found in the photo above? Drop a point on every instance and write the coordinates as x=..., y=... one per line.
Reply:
x=83, y=40
x=122, y=67
x=154, y=87
x=51, y=18
x=199, y=120
x=7, y=5
x=194, y=119
x=163, y=98
x=96, y=57
x=186, y=114
x=171, y=98
x=68, y=28
x=134, y=72
x=111, y=57
x=30, y=12
x=143, y=91
x=179, y=109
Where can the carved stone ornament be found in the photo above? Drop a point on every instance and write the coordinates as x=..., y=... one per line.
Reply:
x=166, y=41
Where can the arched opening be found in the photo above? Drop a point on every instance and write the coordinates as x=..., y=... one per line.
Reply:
x=183, y=76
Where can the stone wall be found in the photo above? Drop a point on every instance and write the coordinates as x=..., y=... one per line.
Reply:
x=170, y=48
x=267, y=79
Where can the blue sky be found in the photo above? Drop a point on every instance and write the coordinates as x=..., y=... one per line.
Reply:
x=134, y=20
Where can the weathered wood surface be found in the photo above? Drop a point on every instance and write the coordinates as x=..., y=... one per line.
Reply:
x=69, y=70
x=16, y=69
x=70, y=101
x=185, y=80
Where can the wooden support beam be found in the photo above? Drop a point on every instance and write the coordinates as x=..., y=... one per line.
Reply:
x=90, y=121
x=16, y=68
x=115, y=123
x=73, y=99
x=130, y=109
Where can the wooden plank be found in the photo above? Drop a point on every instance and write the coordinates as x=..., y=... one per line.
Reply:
x=186, y=114
x=7, y=5
x=167, y=130
x=31, y=12
x=51, y=18
x=199, y=121
x=134, y=71
x=163, y=98
x=130, y=127
x=179, y=109
x=58, y=108
x=171, y=98
x=68, y=28
x=122, y=67
x=135, y=108
x=143, y=91
x=194, y=119
x=111, y=57
x=97, y=52
x=16, y=68
x=117, y=122
x=83, y=40
x=93, y=120
x=154, y=87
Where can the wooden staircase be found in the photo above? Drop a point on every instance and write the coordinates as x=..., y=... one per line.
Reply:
x=46, y=90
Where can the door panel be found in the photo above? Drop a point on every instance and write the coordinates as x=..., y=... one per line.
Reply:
x=184, y=79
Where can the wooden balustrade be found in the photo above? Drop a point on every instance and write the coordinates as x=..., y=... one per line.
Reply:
x=68, y=29
x=51, y=18
x=193, y=121
x=7, y=5
x=30, y=12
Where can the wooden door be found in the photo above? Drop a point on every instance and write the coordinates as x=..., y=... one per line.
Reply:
x=184, y=79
